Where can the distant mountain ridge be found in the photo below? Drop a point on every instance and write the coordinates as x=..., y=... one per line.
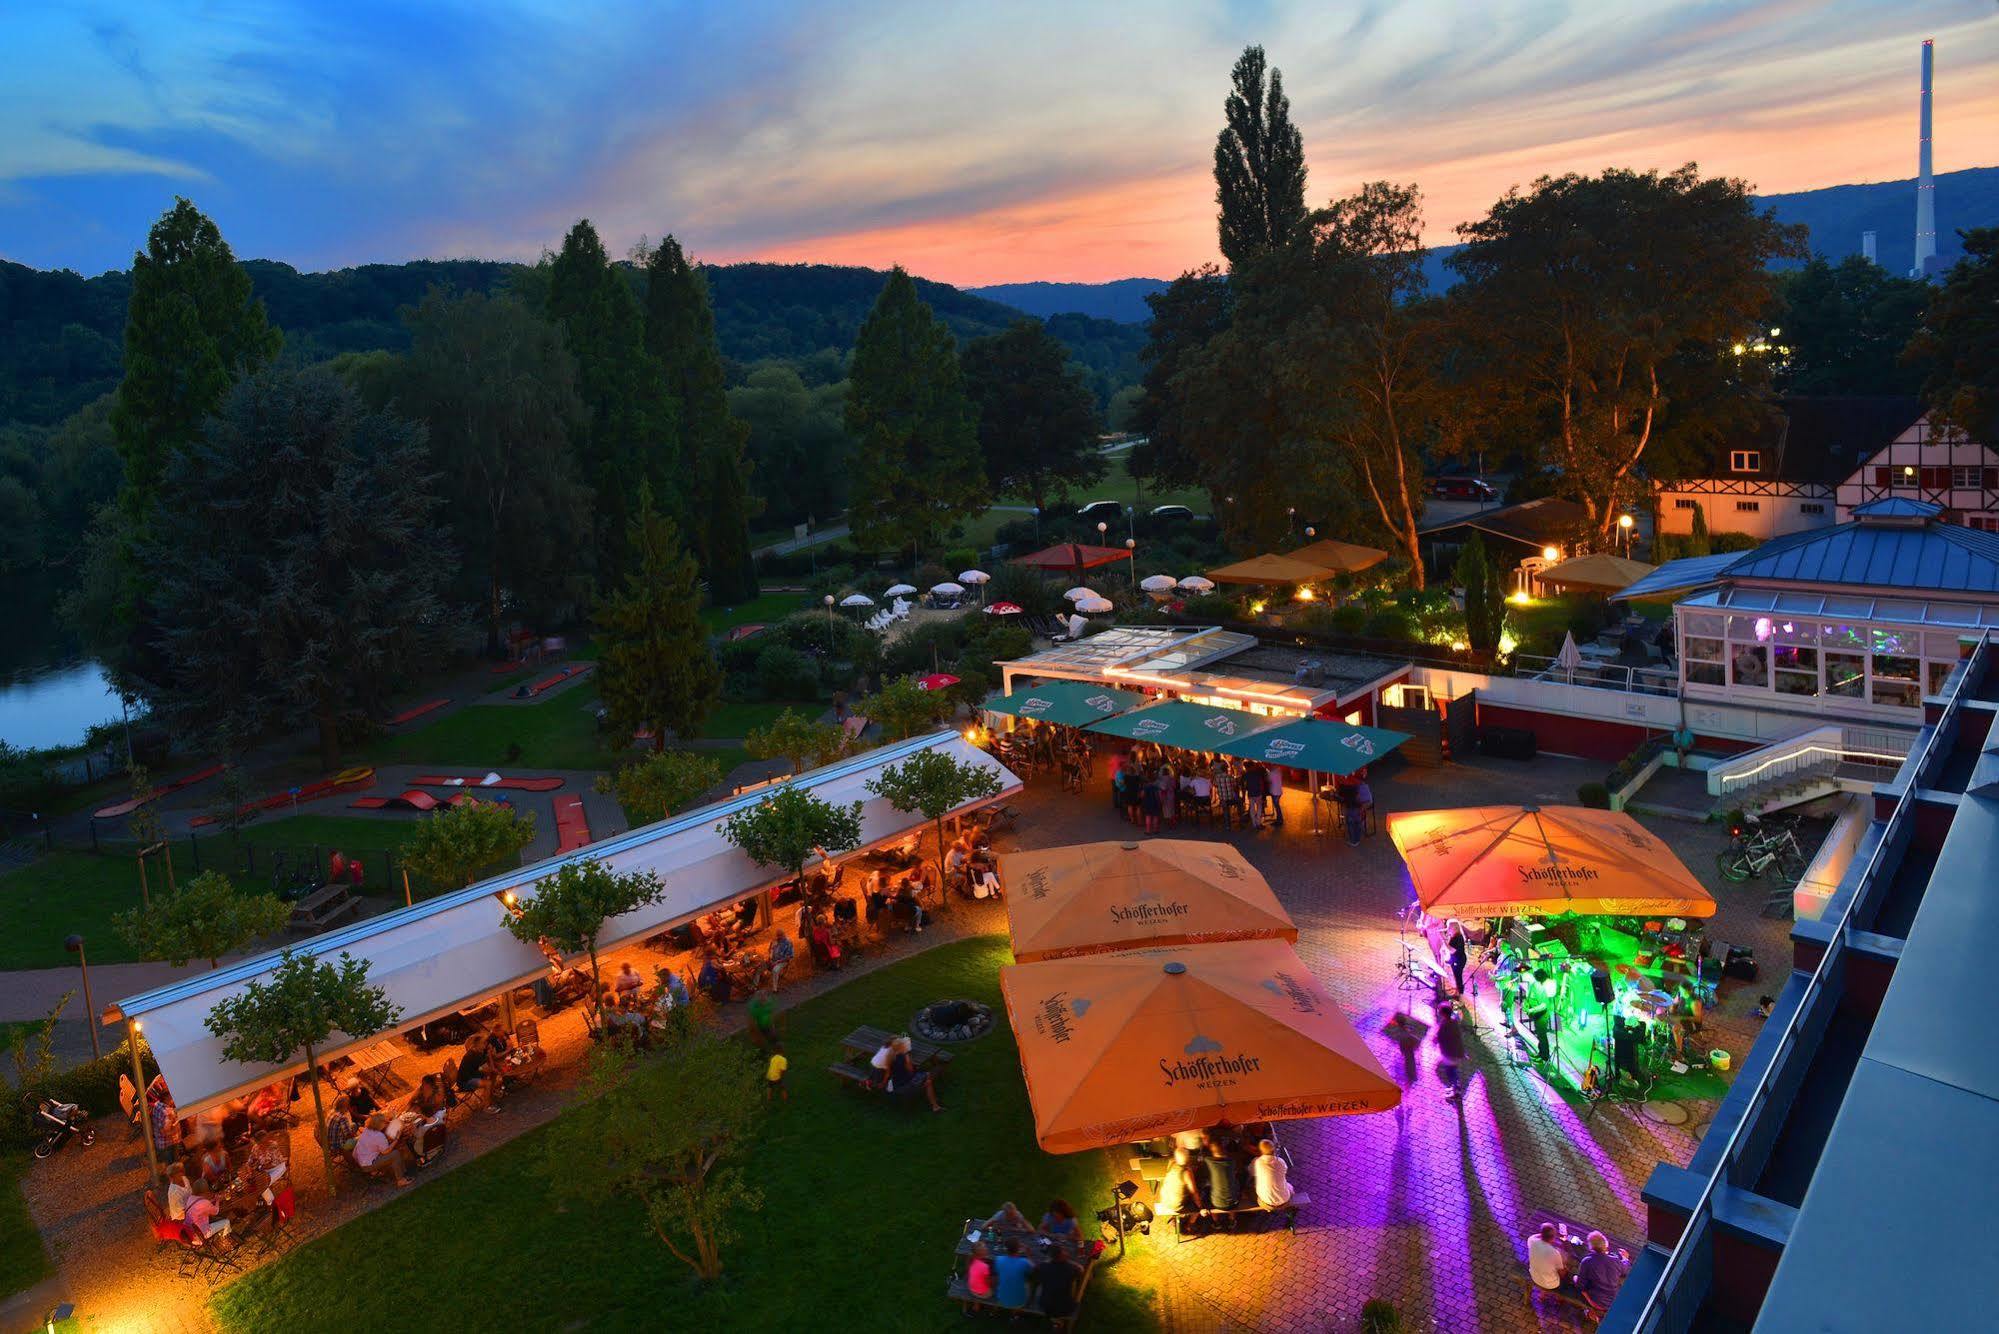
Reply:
x=1836, y=215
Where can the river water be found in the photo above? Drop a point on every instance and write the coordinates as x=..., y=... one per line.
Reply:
x=55, y=706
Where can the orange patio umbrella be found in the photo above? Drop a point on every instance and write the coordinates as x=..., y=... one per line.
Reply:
x=1338, y=556
x=1140, y=1043
x=1111, y=896
x=1529, y=861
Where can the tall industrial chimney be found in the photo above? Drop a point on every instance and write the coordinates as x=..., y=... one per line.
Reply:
x=1926, y=191
x=1867, y=248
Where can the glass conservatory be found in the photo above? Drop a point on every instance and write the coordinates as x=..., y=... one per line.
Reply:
x=1874, y=656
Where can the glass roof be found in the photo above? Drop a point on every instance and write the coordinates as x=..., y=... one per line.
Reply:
x=1955, y=615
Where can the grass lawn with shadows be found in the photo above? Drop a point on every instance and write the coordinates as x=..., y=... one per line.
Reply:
x=558, y=733
x=863, y=1200
x=62, y=892
x=762, y=609
x=24, y=1262
x=738, y=718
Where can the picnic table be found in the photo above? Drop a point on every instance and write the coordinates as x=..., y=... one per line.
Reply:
x=1573, y=1236
x=321, y=908
x=871, y=1040
x=1037, y=1248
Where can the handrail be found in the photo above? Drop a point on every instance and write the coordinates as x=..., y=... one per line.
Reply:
x=1597, y=675
x=1804, y=750
x=1702, y=1212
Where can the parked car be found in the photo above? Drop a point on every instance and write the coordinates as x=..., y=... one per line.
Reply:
x=1462, y=488
x=1101, y=511
x=1172, y=514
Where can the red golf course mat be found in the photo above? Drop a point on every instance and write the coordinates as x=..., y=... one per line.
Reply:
x=572, y=830
x=173, y=785
x=411, y=715
x=488, y=781
x=313, y=791
x=551, y=682
x=412, y=800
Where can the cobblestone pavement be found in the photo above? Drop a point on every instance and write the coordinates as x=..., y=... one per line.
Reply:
x=1425, y=1206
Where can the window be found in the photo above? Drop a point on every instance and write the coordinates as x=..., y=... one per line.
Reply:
x=1745, y=460
x=1846, y=674
x=1701, y=659
x=1682, y=503
x=1984, y=523
x=1936, y=674
x=1969, y=479
x=1905, y=477
x=1811, y=507
x=1748, y=507
x=1895, y=681
x=1797, y=670
x=1749, y=665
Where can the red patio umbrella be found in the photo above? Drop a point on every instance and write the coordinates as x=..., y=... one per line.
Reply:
x=1003, y=609
x=937, y=681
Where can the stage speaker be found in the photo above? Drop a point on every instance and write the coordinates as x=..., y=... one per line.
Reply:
x=1599, y=981
x=1741, y=969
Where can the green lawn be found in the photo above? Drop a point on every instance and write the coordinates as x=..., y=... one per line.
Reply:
x=765, y=608
x=23, y=1260
x=43, y=903
x=862, y=1203
x=331, y=831
x=558, y=733
x=738, y=718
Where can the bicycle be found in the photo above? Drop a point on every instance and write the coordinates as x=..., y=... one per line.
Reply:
x=1752, y=852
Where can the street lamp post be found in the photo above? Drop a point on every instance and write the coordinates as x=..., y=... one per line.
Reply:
x=1131, y=558
x=829, y=622
x=1625, y=523
x=75, y=946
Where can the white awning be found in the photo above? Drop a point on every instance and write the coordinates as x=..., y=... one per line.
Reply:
x=452, y=951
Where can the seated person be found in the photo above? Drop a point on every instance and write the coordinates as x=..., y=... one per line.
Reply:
x=361, y=1100
x=269, y=1161
x=782, y=952
x=1011, y=1270
x=1272, y=1176
x=908, y=909
x=269, y=1101
x=958, y=859
x=213, y=1166
x=905, y=1080
x=1600, y=1274
x=203, y=1215
x=428, y=1100
x=180, y=1192
x=1177, y=1192
x=473, y=1073
x=1058, y=1281
x=1059, y=1221
x=377, y=1155
x=1547, y=1262
x=712, y=981
x=979, y=1276
x=1010, y=1219
x=824, y=949
x=340, y=1126
x=669, y=990
x=628, y=980
x=1220, y=1169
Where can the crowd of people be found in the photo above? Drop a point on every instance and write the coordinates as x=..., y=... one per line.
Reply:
x=1154, y=788
x=1215, y=1173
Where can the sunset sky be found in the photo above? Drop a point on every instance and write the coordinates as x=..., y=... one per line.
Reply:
x=972, y=144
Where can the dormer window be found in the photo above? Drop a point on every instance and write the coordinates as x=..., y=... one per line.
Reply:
x=1745, y=460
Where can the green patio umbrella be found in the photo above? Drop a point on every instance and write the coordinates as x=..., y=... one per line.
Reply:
x=1175, y=722
x=1070, y=703
x=1321, y=745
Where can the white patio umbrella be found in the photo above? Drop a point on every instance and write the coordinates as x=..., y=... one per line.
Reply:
x=973, y=577
x=1093, y=605
x=857, y=600
x=899, y=590
x=1194, y=583
x=947, y=589
x=1158, y=583
x=1570, y=656
x=1079, y=592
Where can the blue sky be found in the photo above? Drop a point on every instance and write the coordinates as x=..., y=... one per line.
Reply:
x=972, y=143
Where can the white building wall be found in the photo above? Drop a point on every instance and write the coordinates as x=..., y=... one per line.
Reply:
x=1772, y=516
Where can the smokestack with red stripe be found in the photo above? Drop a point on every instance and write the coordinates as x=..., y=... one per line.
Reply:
x=1926, y=190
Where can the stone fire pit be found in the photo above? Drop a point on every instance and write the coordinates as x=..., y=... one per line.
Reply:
x=952, y=1021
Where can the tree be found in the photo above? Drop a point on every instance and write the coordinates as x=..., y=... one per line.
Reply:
x=632, y=438
x=298, y=571
x=1842, y=328
x=668, y=1132
x=569, y=909
x=1606, y=307
x=1259, y=164
x=935, y=783
x=916, y=463
x=798, y=441
x=496, y=392
x=1699, y=541
x=789, y=826
x=1959, y=340
x=1038, y=422
x=1362, y=356
x=205, y=918
x=1186, y=317
x=680, y=334
x=1485, y=595
x=292, y=1010
x=660, y=784
x=903, y=708
x=192, y=329
x=655, y=667
x=796, y=739
x=451, y=847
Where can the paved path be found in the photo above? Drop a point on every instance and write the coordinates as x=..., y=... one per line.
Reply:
x=818, y=537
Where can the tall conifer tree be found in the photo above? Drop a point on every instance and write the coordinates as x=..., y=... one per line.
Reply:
x=657, y=670
x=1259, y=164
x=680, y=334
x=917, y=464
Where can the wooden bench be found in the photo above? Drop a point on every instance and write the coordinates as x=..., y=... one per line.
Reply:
x=322, y=908
x=870, y=1039
x=1287, y=1212
x=958, y=1291
x=859, y=1076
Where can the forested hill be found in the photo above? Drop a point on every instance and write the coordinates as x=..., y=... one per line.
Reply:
x=60, y=333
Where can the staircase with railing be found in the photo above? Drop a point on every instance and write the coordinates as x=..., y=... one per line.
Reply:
x=1834, y=758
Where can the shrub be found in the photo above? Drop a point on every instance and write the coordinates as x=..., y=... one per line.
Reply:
x=1594, y=795
x=1348, y=620
x=1018, y=584
x=960, y=559
x=785, y=673
x=1021, y=533
x=92, y=1086
x=930, y=574
x=933, y=642
x=1390, y=623
x=1381, y=1317
x=1216, y=606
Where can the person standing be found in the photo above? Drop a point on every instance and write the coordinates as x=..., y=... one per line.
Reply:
x=1169, y=795
x=1450, y=1049
x=1455, y=951
x=1256, y=782
x=774, y=1090
x=1277, y=795
x=1225, y=792
x=1151, y=806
